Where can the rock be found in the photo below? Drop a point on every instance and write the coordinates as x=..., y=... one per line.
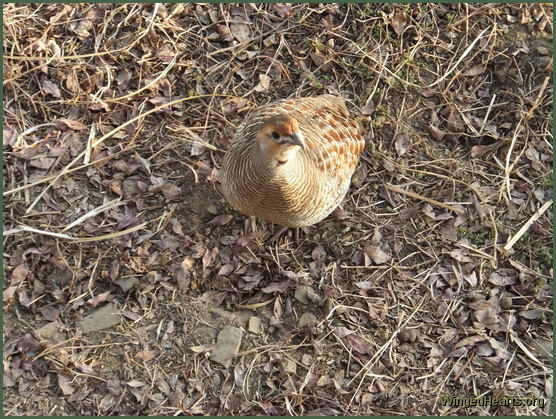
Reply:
x=542, y=50
x=130, y=188
x=227, y=345
x=100, y=319
x=51, y=332
x=289, y=366
x=305, y=294
x=307, y=359
x=255, y=325
x=126, y=283
x=59, y=277
x=211, y=209
x=306, y=319
x=407, y=335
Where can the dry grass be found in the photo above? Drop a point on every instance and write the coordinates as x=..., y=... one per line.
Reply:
x=435, y=281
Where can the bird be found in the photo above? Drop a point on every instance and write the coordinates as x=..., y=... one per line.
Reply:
x=291, y=161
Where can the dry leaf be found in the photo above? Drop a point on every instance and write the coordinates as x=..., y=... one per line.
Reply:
x=377, y=255
x=81, y=27
x=165, y=53
x=145, y=355
x=284, y=10
x=64, y=123
x=359, y=344
x=51, y=88
x=481, y=150
x=398, y=22
x=240, y=31
x=402, y=143
x=369, y=107
x=503, y=277
x=264, y=83
x=475, y=71
x=531, y=314
x=220, y=220
x=93, y=302
x=19, y=274
x=436, y=133
x=65, y=385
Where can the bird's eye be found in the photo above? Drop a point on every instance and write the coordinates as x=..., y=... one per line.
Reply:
x=275, y=135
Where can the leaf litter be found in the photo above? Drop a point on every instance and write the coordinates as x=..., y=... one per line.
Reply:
x=123, y=263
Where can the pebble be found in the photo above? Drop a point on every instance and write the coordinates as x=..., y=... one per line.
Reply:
x=100, y=319
x=227, y=345
x=306, y=319
x=255, y=325
x=305, y=294
x=126, y=283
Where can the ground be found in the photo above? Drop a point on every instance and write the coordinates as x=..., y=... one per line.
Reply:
x=125, y=270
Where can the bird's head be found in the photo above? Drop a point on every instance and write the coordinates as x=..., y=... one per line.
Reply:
x=279, y=138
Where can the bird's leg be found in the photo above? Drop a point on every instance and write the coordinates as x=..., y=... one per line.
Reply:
x=281, y=232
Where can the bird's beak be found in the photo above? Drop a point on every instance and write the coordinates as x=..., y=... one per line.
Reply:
x=296, y=139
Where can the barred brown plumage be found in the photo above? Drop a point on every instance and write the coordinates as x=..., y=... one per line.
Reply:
x=291, y=161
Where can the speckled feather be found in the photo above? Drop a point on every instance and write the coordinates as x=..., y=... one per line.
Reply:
x=312, y=185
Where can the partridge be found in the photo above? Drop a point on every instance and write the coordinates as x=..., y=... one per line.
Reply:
x=291, y=161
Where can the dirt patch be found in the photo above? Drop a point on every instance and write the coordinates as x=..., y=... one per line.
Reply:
x=431, y=285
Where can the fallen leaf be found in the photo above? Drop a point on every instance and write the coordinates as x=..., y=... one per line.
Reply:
x=377, y=255
x=369, y=107
x=436, y=133
x=240, y=31
x=145, y=355
x=220, y=220
x=503, y=277
x=19, y=274
x=475, y=71
x=65, y=123
x=165, y=53
x=398, y=22
x=402, y=143
x=359, y=344
x=284, y=10
x=341, y=331
x=84, y=368
x=65, y=385
x=471, y=279
x=9, y=293
x=93, y=302
x=264, y=83
x=276, y=287
x=50, y=313
x=481, y=150
x=81, y=27
x=531, y=314
x=135, y=383
x=51, y=88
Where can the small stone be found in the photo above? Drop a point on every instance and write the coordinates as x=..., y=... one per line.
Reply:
x=255, y=325
x=307, y=359
x=306, y=319
x=100, y=319
x=506, y=302
x=51, y=332
x=211, y=209
x=59, y=277
x=542, y=50
x=130, y=187
x=289, y=366
x=227, y=345
x=126, y=283
x=305, y=294
x=407, y=335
